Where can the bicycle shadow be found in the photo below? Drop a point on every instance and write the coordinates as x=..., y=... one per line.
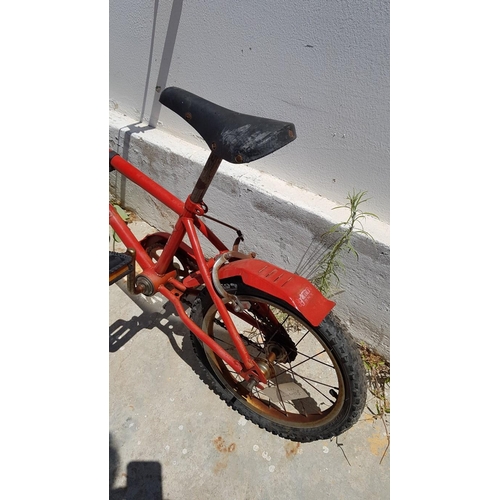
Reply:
x=167, y=321
x=163, y=317
x=144, y=478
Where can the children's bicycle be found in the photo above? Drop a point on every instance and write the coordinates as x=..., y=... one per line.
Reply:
x=265, y=338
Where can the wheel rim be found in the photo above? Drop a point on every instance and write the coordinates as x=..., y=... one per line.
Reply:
x=306, y=392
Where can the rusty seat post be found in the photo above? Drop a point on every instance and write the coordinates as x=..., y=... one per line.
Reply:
x=205, y=178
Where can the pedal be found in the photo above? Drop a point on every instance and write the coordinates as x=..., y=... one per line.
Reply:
x=120, y=265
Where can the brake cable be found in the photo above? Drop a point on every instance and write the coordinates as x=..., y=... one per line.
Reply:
x=238, y=240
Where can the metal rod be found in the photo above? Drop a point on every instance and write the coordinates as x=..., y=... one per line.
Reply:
x=131, y=275
x=142, y=180
x=211, y=343
x=205, y=178
x=221, y=307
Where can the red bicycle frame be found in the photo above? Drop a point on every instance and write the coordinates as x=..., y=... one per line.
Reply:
x=187, y=223
x=155, y=277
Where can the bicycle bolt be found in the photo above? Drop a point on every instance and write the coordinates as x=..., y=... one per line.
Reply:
x=251, y=384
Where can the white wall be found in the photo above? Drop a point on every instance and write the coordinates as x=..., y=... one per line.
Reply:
x=322, y=65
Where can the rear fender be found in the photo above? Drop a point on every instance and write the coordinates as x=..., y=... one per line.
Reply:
x=295, y=290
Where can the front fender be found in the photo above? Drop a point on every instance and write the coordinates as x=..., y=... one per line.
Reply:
x=295, y=290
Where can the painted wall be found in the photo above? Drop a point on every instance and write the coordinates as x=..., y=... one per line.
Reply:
x=281, y=222
x=321, y=64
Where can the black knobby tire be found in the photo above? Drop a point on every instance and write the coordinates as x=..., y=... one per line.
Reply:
x=316, y=390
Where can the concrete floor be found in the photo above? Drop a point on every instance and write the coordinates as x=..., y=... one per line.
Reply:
x=172, y=438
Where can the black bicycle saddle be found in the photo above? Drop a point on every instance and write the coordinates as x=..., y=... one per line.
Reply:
x=232, y=136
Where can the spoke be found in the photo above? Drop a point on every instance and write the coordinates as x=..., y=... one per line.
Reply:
x=219, y=322
x=310, y=358
x=270, y=403
x=326, y=397
x=281, y=398
x=299, y=401
x=261, y=325
x=223, y=341
x=290, y=371
x=307, y=380
x=302, y=338
x=295, y=380
x=243, y=337
x=285, y=320
x=304, y=411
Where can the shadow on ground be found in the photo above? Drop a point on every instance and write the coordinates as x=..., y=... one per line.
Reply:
x=164, y=318
x=144, y=479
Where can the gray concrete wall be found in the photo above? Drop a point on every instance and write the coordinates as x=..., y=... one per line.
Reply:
x=280, y=221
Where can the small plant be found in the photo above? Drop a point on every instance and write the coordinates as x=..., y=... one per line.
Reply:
x=323, y=267
x=379, y=379
x=332, y=261
x=125, y=216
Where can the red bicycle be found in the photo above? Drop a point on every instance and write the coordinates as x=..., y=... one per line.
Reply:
x=265, y=338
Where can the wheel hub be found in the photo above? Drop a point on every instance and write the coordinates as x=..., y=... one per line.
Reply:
x=276, y=352
x=265, y=366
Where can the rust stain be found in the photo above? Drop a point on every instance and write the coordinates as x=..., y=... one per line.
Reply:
x=221, y=445
x=221, y=465
x=291, y=449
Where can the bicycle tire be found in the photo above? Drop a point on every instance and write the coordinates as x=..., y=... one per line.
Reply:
x=293, y=406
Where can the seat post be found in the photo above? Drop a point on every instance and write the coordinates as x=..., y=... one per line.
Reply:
x=205, y=178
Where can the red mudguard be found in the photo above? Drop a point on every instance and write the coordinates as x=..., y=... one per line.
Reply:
x=291, y=288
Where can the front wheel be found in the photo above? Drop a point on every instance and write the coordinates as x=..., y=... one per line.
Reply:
x=316, y=382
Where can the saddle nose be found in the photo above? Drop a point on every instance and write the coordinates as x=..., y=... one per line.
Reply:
x=232, y=136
